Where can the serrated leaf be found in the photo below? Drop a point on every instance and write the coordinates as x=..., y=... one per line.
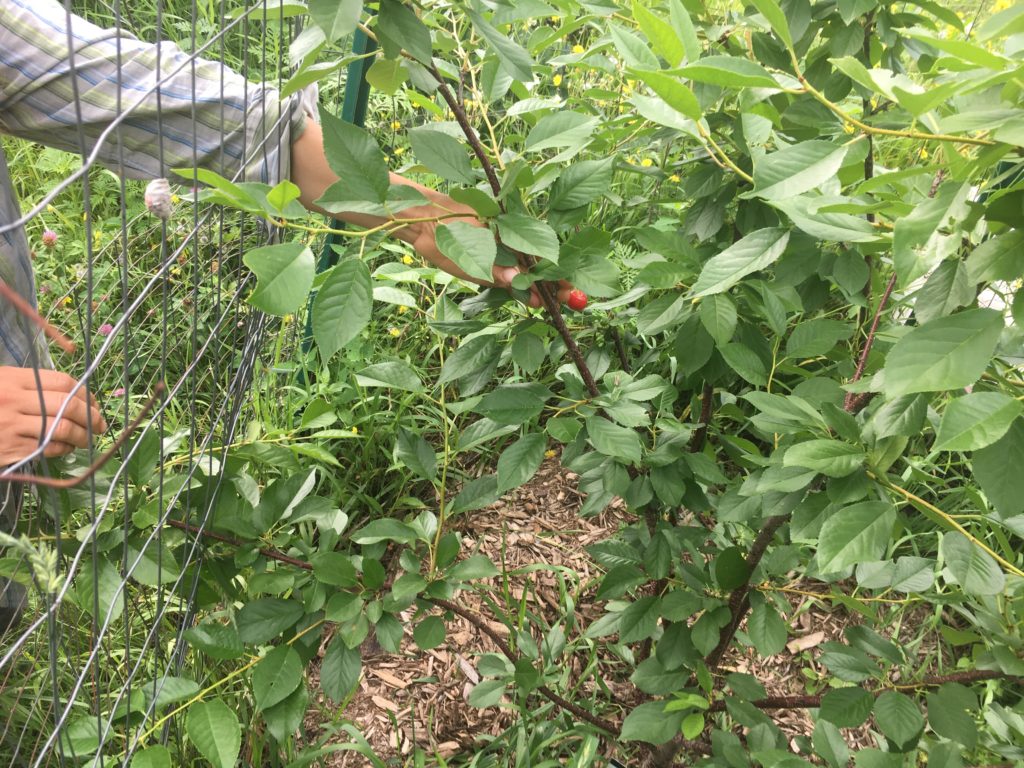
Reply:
x=514, y=58
x=899, y=718
x=416, y=453
x=385, y=530
x=157, y=756
x=262, y=620
x=796, y=169
x=766, y=629
x=639, y=619
x=392, y=374
x=974, y=569
x=476, y=354
x=846, y=707
x=276, y=676
x=474, y=567
x=399, y=28
x=442, y=154
x=340, y=670
x=529, y=235
x=830, y=457
x=663, y=38
x=1005, y=490
x=776, y=18
x=749, y=254
x=284, y=275
x=718, y=316
x=581, y=183
x=214, y=730
x=336, y=18
x=429, y=633
x=342, y=307
x=976, y=420
x=728, y=72
x=855, y=534
x=560, y=130
x=471, y=248
x=948, y=353
x=613, y=440
x=670, y=90
x=219, y=641
x=355, y=157
x=520, y=461
x=651, y=723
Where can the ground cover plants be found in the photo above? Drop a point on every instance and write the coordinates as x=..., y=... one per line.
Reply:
x=797, y=227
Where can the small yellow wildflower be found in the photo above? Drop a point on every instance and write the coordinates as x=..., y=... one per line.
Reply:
x=556, y=80
x=403, y=309
x=355, y=430
x=287, y=318
x=631, y=161
x=394, y=332
x=578, y=48
x=175, y=199
x=97, y=237
x=396, y=125
x=51, y=209
x=549, y=454
x=674, y=178
x=848, y=128
x=923, y=154
x=646, y=162
x=399, y=151
x=407, y=259
x=67, y=301
x=555, y=19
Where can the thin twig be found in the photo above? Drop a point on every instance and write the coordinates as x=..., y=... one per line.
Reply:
x=71, y=482
x=701, y=435
x=851, y=401
x=268, y=552
x=28, y=311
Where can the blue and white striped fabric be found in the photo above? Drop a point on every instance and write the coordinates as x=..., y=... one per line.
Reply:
x=203, y=115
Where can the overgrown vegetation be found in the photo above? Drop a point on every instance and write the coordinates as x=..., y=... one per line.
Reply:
x=798, y=226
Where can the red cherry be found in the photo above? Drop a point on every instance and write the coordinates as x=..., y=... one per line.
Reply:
x=577, y=299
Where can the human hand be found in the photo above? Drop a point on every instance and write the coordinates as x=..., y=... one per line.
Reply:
x=21, y=413
x=426, y=246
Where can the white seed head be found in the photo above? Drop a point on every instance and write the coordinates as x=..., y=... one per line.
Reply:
x=158, y=198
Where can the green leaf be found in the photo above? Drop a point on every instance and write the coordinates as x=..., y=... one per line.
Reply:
x=514, y=403
x=846, y=707
x=728, y=72
x=672, y=92
x=812, y=338
x=357, y=160
x=929, y=233
x=804, y=211
x=749, y=254
x=976, y=420
x=471, y=248
x=284, y=719
x=948, y=353
x=340, y=670
x=830, y=457
x=718, y=315
x=284, y=275
x=613, y=440
x=215, y=731
x=281, y=195
x=663, y=38
x=99, y=585
x=399, y=28
x=262, y=620
x=443, y=154
x=946, y=290
x=529, y=235
x=767, y=629
x=947, y=716
x=513, y=57
x=156, y=756
x=476, y=494
x=899, y=718
x=416, y=453
x=684, y=29
x=476, y=354
x=560, y=130
x=394, y=375
x=520, y=461
x=903, y=416
x=276, y=675
x=796, y=169
x=998, y=258
x=429, y=633
x=651, y=723
x=665, y=312
x=731, y=569
x=639, y=619
x=635, y=52
x=385, y=530
x=336, y=18
x=219, y=641
x=1005, y=490
x=745, y=362
x=475, y=567
x=776, y=18
x=486, y=693
x=581, y=183
x=974, y=569
x=342, y=307
x=387, y=75
x=855, y=534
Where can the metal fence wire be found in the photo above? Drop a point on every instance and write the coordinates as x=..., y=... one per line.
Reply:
x=100, y=578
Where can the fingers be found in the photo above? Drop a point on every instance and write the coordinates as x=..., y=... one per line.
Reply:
x=76, y=412
x=53, y=450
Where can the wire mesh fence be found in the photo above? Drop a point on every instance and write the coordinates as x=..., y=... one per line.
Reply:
x=144, y=287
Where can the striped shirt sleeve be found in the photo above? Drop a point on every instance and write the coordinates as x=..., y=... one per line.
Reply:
x=65, y=82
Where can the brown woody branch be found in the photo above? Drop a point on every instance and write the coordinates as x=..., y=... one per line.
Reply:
x=71, y=482
x=701, y=435
x=28, y=311
x=853, y=402
x=268, y=552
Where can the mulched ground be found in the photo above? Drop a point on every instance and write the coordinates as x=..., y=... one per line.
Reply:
x=420, y=698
